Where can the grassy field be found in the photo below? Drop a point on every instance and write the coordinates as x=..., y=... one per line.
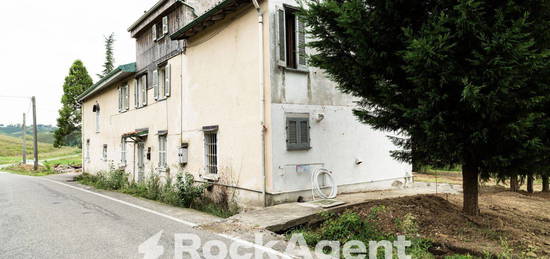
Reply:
x=10, y=150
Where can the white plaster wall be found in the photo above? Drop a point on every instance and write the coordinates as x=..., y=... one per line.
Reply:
x=156, y=116
x=337, y=141
x=220, y=88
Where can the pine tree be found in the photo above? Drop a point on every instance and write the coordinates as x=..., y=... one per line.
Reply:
x=69, y=120
x=467, y=80
x=109, y=64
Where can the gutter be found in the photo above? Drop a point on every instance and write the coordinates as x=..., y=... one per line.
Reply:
x=261, y=85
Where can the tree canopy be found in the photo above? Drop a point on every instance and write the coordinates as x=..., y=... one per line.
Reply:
x=459, y=82
x=69, y=120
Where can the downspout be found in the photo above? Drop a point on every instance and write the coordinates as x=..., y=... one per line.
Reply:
x=262, y=97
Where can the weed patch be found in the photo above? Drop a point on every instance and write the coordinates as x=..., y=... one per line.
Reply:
x=185, y=192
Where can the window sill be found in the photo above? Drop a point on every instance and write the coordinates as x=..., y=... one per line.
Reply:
x=211, y=177
x=161, y=37
x=296, y=70
x=298, y=148
x=124, y=111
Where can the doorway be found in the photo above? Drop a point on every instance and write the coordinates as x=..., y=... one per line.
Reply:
x=140, y=161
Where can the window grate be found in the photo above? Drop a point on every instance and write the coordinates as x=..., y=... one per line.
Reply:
x=211, y=152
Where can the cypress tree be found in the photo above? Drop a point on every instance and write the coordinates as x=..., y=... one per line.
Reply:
x=467, y=80
x=69, y=121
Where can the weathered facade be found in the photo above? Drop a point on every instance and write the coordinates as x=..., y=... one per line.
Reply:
x=229, y=98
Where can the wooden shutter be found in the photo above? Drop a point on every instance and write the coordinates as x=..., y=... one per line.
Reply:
x=156, y=84
x=297, y=133
x=164, y=25
x=144, y=90
x=119, y=99
x=300, y=44
x=136, y=93
x=127, y=97
x=281, y=36
x=167, y=75
x=304, y=133
x=154, y=32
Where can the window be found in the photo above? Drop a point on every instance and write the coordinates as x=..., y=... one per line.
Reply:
x=297, y=132
x=162, y=151
x=291, y=51
x=141, y=91
x=159, y=30
x=87, y=157
x=123, y=98
x=162, y=82
x=123, y=151
x=211, y=149
x=96, y=110
x=104, y=156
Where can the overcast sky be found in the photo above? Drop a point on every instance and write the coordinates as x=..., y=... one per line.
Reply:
x=40, y=40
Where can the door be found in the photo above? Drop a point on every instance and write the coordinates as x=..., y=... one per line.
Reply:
x=140, y=161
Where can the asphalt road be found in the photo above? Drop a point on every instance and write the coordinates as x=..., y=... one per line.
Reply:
x=43, y=219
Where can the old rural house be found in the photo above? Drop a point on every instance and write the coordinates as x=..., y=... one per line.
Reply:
x=222, y=90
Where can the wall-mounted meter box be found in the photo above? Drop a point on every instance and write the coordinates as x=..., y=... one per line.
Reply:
x=183, y=153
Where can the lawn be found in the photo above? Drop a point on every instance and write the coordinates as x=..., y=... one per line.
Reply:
x=10, y=150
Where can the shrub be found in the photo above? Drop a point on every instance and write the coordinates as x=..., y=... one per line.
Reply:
x=169, y=194
x=188, y=192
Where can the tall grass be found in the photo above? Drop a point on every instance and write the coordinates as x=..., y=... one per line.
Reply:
x=184, y=192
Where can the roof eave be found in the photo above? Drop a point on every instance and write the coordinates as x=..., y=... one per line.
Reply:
x=216, y=13
x=114, y=76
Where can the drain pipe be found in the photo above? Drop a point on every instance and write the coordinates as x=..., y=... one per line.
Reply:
x=262, y=97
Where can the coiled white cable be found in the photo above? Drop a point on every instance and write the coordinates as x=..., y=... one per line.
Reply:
x=316, y=188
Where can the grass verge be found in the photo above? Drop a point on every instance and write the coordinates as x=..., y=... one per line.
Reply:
x=28, y=170
x=184, y=192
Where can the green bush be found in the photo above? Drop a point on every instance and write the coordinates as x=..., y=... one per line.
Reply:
x=188, y=191
x=184, y=193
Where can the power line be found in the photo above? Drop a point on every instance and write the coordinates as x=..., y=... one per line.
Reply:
x=13, y=96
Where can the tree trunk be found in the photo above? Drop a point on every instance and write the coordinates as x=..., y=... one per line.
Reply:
x=514, y=184
x=470, y=185
x=530, y=180
x=545, y=183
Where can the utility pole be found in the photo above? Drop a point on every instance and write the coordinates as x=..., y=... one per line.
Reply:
x=35, y=134
x=24, y=141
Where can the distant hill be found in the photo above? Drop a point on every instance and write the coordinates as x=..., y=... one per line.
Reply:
x=10, y=149
x=45, y=132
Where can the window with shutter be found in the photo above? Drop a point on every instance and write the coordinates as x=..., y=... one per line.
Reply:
x=297, y=132
x=291, y=39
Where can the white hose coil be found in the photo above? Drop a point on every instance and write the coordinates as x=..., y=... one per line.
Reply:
x=316, y=188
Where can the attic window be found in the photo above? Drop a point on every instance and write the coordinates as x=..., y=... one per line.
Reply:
x=95, y=108
x=160, y=29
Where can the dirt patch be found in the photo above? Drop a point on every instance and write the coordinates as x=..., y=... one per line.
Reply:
x=510, y=223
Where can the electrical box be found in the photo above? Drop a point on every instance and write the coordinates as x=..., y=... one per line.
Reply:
x=183, y=153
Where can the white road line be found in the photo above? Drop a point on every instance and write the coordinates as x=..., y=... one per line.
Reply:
x=191, y=224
